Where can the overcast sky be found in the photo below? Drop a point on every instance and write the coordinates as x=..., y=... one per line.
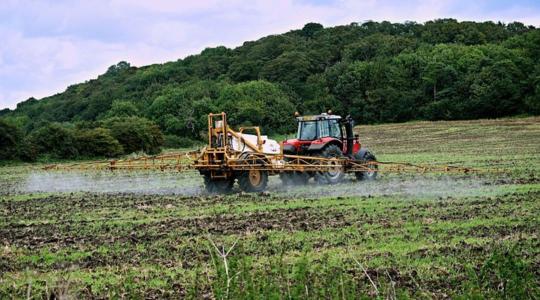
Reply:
x=50, y=44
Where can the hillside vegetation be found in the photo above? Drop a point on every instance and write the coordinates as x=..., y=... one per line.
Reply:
x=421, y=236
x=377, y=72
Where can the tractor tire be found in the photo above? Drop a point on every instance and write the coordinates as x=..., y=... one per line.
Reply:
x=294, y=178
x=253, y=181
x=218, y=186
x=366, y=175
x=330, y=177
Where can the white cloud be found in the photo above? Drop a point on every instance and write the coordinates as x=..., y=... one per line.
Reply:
x=49, y=45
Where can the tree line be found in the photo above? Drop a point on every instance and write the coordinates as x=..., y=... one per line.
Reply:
x=375, y=71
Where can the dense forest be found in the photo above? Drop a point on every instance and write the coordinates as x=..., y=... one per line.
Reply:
x=376, y=71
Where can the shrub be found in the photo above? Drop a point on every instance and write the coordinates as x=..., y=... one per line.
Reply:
x=122, y=109
x=54, y=139
x=9, y=138
x=98, y=142
x=174, y=141
x=136, y=134
x=27, y=151
x=258, y=103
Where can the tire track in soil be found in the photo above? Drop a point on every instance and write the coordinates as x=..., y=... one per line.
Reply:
x=71, y=232
x=68, y=233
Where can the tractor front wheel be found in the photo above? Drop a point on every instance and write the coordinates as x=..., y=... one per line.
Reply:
x=373, y=169
x=335, y=174
x=253, y=181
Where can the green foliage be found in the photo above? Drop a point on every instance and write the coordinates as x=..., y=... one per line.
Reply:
x=258, y=102
x=122, y=109
x=119, y=67
x=504, y=275
x=182, y=110
x=27, y=151
x=239, y=276
x=532, y=102
x=376, y=71
x=135, y=134
x=98, y=142
x=377, y=45
x=290, y=68
x=9, y=140
x=55, y=140
x=174, y=141
x=310, y=29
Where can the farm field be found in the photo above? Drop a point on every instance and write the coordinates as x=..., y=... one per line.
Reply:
x=158, y=235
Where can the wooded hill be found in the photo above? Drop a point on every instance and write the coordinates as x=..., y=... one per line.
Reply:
x=377, y=72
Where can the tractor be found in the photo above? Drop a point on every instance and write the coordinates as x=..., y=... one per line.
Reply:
x=329, y=136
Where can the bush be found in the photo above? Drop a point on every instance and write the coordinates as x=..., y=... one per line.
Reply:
x=27, y=151
x=9, y=138
x=98, y=142
x=122, y=109
x=173, y=141
x=54, y=139
x=258, y=103
x=136, y=134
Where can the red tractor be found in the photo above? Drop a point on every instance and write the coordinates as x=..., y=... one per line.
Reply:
x=328, y=136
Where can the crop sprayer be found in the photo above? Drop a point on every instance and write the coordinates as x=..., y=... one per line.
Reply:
x=324, y=149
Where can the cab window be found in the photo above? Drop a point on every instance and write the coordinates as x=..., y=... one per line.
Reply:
x=324, y=129
x=335, y=129
x=307, y=131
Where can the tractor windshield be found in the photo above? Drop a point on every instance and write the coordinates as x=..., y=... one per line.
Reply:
x=329, y=128
x=307, y=130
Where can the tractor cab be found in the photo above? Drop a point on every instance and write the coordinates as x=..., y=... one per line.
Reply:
x=311, y=128
x=317, y=132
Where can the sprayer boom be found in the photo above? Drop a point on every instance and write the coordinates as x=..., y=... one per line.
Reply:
x=250, y=158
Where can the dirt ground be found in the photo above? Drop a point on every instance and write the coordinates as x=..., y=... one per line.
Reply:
x=152, y=235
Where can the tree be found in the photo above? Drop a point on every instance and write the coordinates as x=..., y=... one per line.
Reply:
x=310, y=29
x=532, y=102
x=97, y=142
x=119, y=67
x=9, y=140
x=376, y=71
x=496, y=91
x=54, y=139
x=517, y=27
x=135, y=134
x=122, y=109
x=244, y=70
x=377, y=45
x=291, y=68
x=182, y=110
x=211, y=63
x=258, y=103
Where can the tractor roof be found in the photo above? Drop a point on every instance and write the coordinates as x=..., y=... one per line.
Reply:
x=323, y=116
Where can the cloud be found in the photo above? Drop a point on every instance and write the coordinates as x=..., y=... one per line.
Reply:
x=48, y=45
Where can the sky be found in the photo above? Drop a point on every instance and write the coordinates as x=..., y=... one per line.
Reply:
x=47, y=45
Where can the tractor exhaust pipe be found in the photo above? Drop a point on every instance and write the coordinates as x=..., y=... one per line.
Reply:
x=349, y=124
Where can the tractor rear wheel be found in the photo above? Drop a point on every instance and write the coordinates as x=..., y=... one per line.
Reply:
x=372, y=173
x=218, y=186
x=335, y=175
x=253, y=180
